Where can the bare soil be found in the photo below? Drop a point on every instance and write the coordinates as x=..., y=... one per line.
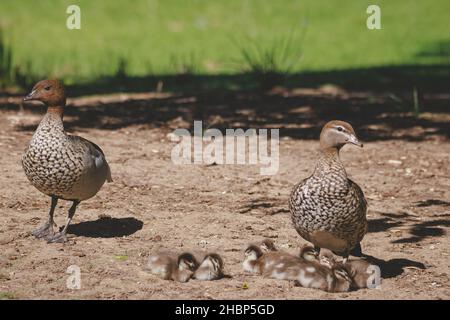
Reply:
x=153, y=204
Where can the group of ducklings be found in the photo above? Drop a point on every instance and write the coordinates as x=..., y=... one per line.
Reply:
x=185, y=266
x=309, y=269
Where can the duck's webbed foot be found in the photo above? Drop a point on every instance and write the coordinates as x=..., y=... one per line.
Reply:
x=44, y=230
x=58, y=237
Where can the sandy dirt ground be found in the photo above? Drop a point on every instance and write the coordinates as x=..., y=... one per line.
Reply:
x=153, y=204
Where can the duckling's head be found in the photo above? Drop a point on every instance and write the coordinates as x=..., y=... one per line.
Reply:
x=267, y=245
x=308, y=253
x=327, y=258
x=187, y=261
x=51, y=92
x=335, y=134
x=253, y=252
x=344, y=274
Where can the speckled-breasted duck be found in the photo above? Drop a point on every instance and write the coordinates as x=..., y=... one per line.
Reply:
x=328, y=209
x=60, y=165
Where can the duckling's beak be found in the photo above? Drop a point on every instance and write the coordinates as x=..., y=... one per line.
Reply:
x=354, y=140
x=30, y=96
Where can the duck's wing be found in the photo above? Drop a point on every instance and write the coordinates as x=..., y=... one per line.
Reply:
x=297, y=195
x=94, y=151
x=359, y=195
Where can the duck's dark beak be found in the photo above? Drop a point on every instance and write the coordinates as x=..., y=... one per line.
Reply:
x=29, y=96
x=354, y=140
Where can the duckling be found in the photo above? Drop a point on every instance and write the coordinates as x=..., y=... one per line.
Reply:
x=258, y=262
x=187, y=261
x=328, y=209
x=361, y=271
x=166, y=267
x=267, y=245
x=162, y=265
x=211, y=268
x=343, y=278
x=308, y=253
x=59, y=165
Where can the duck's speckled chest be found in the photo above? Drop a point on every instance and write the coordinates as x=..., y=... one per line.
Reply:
x=49, y=162
x=329, y=201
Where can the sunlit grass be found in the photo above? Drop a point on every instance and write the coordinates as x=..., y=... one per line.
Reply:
x=172, y=37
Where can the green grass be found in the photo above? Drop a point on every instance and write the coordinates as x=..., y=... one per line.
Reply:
x=142, y=37
x=7, y=295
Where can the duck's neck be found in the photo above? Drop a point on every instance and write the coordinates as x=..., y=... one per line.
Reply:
x=53, y=120
x=329, y=163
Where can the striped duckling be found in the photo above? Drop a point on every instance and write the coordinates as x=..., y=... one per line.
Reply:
x=211, y=268
x=60, y=165
x=328, y=209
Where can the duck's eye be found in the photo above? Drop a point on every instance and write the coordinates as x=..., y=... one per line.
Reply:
x=47, y=88
x=340, y=129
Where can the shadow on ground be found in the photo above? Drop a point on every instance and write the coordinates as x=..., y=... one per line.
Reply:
x=394, y=267
x=106, y=228
x=379, y=102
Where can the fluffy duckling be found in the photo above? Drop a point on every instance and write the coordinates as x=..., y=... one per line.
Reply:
x=308, y=253
x=211, y=268
x=258, y=262
x=328, y=209
x=187, y=261
x=168, y=267
x=361, y=271
x=59, y=165
x=267, y=245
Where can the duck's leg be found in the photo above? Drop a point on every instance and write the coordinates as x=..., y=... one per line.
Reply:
x=356, y=251
x=61, y=236
x=47, y=228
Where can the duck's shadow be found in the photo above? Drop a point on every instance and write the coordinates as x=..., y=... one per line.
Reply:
x=106, y=227
x=393, y=267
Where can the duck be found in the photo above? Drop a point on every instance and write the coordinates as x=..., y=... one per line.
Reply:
x=328, y=209
x=60, y=165
x=211, y=268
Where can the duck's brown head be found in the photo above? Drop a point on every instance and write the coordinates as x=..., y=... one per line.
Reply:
x=335, y=134
x=51, y=92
